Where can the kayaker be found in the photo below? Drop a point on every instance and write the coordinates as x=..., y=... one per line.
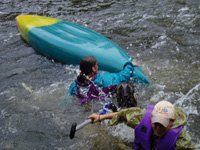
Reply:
x=90, y=85
x=125, y=99
x=159, y=127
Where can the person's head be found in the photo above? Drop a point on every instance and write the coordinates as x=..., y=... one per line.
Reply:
x=162, y=117
x=88, y=65
x=125, y=95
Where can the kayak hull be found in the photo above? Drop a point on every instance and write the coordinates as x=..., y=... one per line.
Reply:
x=68, y=43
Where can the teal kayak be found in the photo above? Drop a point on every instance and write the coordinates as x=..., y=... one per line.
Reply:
x=68, y=43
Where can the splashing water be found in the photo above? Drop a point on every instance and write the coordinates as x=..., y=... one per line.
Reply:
x=161, y=36
x=189, y=101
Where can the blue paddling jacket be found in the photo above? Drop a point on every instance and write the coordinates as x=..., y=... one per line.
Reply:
x=101, y=84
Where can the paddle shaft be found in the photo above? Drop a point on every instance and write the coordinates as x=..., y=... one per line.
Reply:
x=86, y=122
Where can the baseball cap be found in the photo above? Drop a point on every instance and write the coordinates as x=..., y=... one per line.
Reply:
x=162, y=113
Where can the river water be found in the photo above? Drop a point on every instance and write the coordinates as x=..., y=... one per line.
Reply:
x=162, y=36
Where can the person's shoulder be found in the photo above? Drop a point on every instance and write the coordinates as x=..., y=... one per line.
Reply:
x=134, y=111
x=101, y=78
x=180, y=116
x=184, y=141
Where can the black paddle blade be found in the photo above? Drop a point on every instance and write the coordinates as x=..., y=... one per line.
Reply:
x=73, y=130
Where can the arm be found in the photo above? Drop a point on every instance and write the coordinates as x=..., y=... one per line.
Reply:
x=96, y=118
x=126, y=73
x=72, y=89
x=131, y=117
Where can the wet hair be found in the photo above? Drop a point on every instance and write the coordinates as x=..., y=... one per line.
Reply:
x=86, y=65
x=125, y=95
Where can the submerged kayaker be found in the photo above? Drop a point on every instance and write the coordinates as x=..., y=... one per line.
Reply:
x=90, y=85
x=159, y=127
x=125, y=99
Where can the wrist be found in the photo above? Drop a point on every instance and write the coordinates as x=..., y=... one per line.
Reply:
x=99, y=118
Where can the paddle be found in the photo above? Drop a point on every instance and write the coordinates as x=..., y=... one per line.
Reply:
x=125, y=98
x=74, y=127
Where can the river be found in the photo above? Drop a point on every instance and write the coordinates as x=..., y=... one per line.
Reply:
x=162, y=36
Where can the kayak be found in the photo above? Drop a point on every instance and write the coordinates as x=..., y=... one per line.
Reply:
x=68, y=43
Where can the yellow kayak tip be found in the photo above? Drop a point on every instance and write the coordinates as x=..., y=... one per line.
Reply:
x=26, y=22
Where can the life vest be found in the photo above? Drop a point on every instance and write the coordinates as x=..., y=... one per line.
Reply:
x=144, y=131
x=92, y=91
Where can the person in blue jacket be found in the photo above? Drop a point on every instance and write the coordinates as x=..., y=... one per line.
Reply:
x=90, y=85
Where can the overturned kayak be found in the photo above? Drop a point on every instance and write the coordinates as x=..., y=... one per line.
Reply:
x=68, y=43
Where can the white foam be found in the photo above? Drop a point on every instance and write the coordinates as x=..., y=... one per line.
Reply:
x=145, y=16
x=10, y=36
x=12, y=129
x=124, y=132
x=10, y=98
x=188, y=95
x=72, y=68
x=159, y=44
x=188, y=101
x=3, y=113
x=183, y=9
